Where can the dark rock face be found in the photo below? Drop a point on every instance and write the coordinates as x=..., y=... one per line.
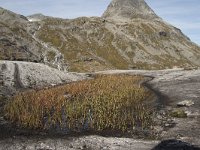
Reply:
x=129, y=9
x=175, y=145
x=163, y=33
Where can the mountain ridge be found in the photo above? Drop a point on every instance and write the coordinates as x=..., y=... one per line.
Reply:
x=128, y=41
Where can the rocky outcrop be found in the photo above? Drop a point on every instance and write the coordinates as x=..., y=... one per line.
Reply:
x=175, y=145
x=11, y=18
x=18, y=41
x=36, y=17
x=126, y=10
x=15, y=41
x=15, y=75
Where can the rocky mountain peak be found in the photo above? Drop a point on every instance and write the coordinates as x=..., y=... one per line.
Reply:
x=129, y=9
x=36, y=17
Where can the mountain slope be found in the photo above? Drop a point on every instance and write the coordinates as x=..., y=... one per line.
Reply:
x=129, y=35
x=18, y=41
x=90, y=43
x=15, y=42
x=36, y=17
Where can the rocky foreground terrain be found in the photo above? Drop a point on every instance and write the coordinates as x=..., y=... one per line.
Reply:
x=171, y=86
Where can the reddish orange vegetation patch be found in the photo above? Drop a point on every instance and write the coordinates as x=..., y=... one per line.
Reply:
x=114, y=102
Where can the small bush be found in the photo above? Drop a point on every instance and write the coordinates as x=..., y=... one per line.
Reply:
x=114, y=102
x=179, y=113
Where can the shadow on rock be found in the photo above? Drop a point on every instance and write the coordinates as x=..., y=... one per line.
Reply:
x=175, y=145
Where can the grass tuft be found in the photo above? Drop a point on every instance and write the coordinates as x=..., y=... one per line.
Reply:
x=178, y=113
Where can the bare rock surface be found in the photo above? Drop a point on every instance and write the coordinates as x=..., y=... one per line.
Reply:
x=16, y=75
x=129, y=9
x=36, y=17
x=15, y=42
x=86, y=143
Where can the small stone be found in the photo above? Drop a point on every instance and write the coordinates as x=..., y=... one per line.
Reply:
x=158, y=128
x=178, y=136
x=83, y=147
x=43, y=146
x=167, y=125
x=70, y=146
x=185, y=103
x=159, y=117
x=163, y=133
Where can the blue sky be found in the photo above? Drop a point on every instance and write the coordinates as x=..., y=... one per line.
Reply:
x=184, y=14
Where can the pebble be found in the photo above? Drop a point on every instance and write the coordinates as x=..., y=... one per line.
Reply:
x=185, y=103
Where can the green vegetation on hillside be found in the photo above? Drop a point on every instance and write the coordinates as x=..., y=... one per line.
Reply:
x=83, y=38
x=114, y=46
